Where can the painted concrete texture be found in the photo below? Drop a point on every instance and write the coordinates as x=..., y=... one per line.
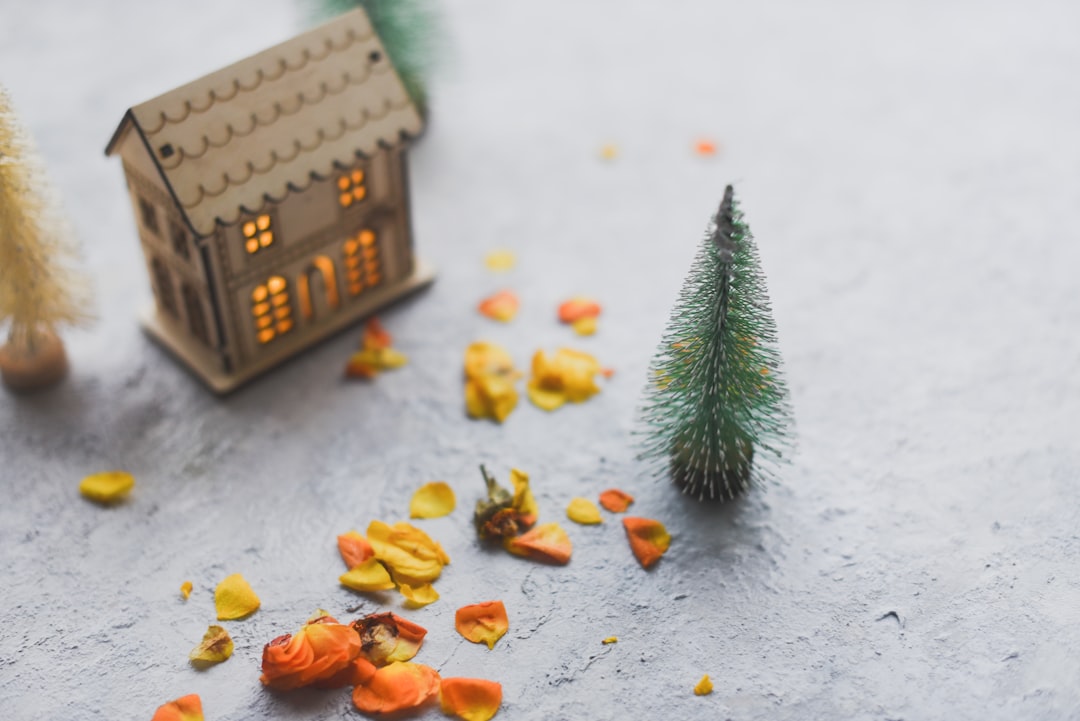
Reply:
x=910, y=171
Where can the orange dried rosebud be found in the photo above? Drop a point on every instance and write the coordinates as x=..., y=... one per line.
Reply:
x=359, y=671
x=649, y=540
x=387, y=637
x=471, y=699
x=432, y=500
x=216, y=646
x=397, y=687
x=577, y=308
x=375, y=336
x=185, y=708
x=502, y=306
x=317, y=652
x=547, y=542
x=354, y=549
x=615, y=500
x=482, y=622
x=410, y=554
x=234, y=598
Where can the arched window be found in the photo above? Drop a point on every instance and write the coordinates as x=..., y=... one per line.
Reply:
x=164, y=285
x=271, y=309
x=324, y=267
x=362, y=263
x=196, y=317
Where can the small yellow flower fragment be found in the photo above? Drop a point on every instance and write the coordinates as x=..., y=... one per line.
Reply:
x=432, y=500
x=704, y=686
x=583, y=511
x=185, y=589
x=420, y=595
x=107, y=486
x=368, y=576
x=185, y=708
x=500, y=260
x=216, y=647
x=610, y=151
x=234, y=598
x=584, y=326
x=610, y=640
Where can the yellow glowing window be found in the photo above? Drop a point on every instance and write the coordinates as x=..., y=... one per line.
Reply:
x=271, y=309
x=363, y=267
x=257, y=233
x=351, y=188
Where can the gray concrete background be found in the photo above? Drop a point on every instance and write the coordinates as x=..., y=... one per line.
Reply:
x=912, y=173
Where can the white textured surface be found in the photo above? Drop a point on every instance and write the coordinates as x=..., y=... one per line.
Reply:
x=911, y=171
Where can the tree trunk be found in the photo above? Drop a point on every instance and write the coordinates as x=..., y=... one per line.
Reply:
x=27, y=369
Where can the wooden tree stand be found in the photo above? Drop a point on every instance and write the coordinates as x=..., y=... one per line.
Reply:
x=25, y=370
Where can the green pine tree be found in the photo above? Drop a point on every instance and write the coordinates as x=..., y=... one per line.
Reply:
x=716, y=405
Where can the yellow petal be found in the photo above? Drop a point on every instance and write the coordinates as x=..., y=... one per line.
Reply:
x=432, y=500
x=584, y=326
x=490, y=396
x=368, y=576
x=704, y=686
x=610, y=640
x=185, y=589
x=583, y=511
x=420, y=595
x=483, y=358
x=107, y=487
x=389, y=358
x=216, y=647
x=411, y=554
x=524, y=502
x=500, y=260
x=609, y=151
x=544, y=399
x=233, y=598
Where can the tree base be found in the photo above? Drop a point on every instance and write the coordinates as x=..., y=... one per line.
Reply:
x=25, y=371
x=715, y=484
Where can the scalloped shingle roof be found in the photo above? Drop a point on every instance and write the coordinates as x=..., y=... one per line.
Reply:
x=260, y=128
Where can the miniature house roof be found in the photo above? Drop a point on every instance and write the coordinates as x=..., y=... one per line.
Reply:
x=252, y=132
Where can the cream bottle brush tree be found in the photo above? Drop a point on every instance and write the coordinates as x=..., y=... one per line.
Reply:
x=38, y=290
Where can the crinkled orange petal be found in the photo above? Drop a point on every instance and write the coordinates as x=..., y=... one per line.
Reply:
x=368, y=576
x=375, y=336
x=648, y=539
x=502, y=306
x=470, y=699
x=359, y=671
x=316, y=653
x=483, y=358
x=482, y=622
x=705, y=147
x=432, y=500
x=354, y=549
x=577, y=308
x=704, y=686
x=216, y=646
x=397, y=687
x=500, y=260
x=185, y=589
x=410, y=554
x=420, y=595
x=107, y=486
x=547, y=542
x=615, y=500
x=387, y=637
x=585, y=326
x=583, y=511
x=185, y=708
x=234, y=598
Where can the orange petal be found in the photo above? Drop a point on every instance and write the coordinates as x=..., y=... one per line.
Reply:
x=432, y=500
x=583, y=511
x=375, y=336
x=387, y=637
x=705, y=147
x=317, y=652
x=502, y=306
x=577, y=308
x=185, y=589
x=359, y=671
x=471, y=699
x=411, y=555
x=216, y=646
x=233, y=598
x=107, y=487
x=368, y=576
x=354, y=549
x=547, y=542
x=397, y=687
x=185, y=708
x=482, y=622
x=704, y=686
x=615, y=500
x=359, y=367
x=648, y=539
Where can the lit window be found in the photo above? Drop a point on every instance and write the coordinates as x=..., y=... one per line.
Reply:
x=362, y=266
x=271, y=309
x=257, y=234
x=351, y=188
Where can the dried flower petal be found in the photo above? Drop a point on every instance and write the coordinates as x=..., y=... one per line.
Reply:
x=411, y=555
x=107, y=486
x=484, y=359
x=185, y=590
x=615, y=500
x=185, y=708
x=524, y=502
x=397, y=687
x=577, y=308
x=234, y=598
x=610, y=640
x=583, y=511
x=704, y=686
x=368, y=576
x=705, y=147
x=387, y=637
x=318, y=652
x=482, y=622
x=648, y=539
x=432, y=500
x=500, y=260
x=216, y=646
x=504, y=514
x=420, y=595
x=609, y=151
x=491, y=397
x=566, y=376
x=358, y=671
x=547, y=542
x=359, y=366
x=584, y=326
x=375, y=336
x=470, y=699
x=502, y=306
x=354, y=549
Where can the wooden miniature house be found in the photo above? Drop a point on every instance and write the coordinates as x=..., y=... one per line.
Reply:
x=271, y=199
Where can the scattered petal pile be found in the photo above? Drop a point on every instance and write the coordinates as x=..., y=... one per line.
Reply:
x=107, y=487
x=375, y=354
x=432, y=500
x=234, y=598
x=502, y=306
x=569, y=375
x=482, y=622
x=216, y=646
x=649, y=540
x=185, y=708
x=400, y=556
x=489, y=382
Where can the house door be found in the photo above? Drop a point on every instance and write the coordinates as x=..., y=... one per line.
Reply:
x=317, y=289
